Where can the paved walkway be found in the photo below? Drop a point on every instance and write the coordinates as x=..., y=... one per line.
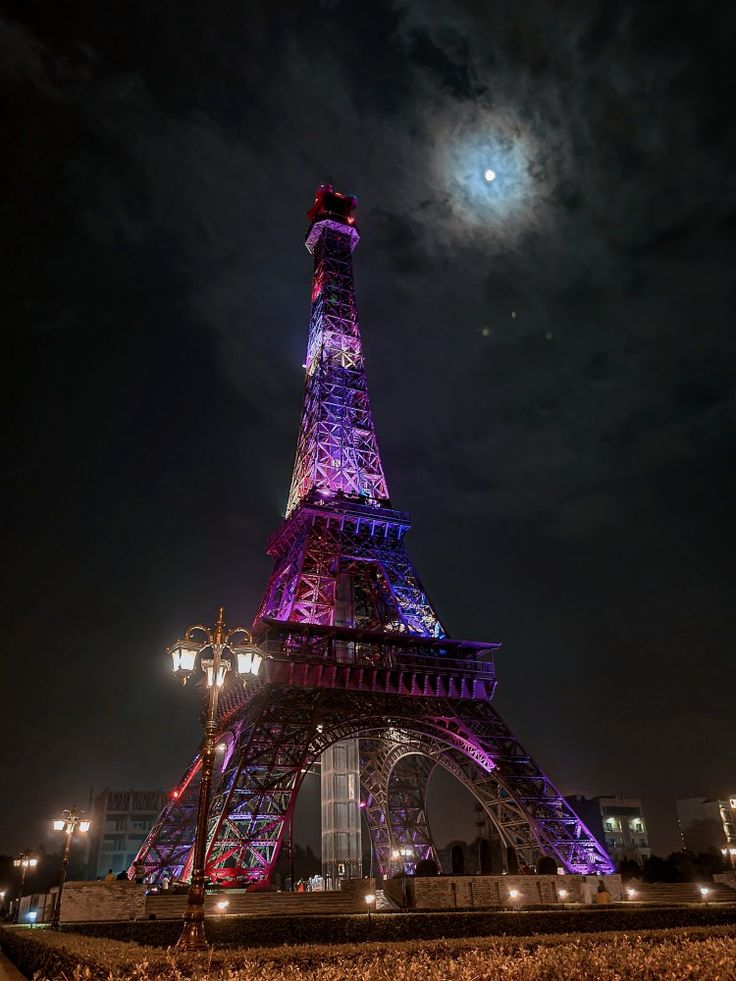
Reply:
x=8, y=971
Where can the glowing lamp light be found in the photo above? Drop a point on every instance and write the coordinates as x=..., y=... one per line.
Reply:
x=84, y=826
x=223, y=905
x=33, y=862
x=513, y=893
x=489, y=176
x=704, y=891
x=215, y=677
x=370, y=898
x=32, y=914
x=562, y=894
x=631, y=893
x=249, y=660
x=184, y=657
x=59, y=824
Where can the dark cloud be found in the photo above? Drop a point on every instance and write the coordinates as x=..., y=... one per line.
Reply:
x=550, y=356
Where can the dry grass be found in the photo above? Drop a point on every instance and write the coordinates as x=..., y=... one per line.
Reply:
x=703, y=953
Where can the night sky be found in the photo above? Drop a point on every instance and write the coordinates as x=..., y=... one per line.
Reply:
x=550, y=355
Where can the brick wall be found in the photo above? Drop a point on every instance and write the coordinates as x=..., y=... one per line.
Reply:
x=85, y=901
x=483, y=891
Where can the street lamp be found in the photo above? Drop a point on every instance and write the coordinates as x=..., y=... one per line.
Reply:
x=223, y=656
x=69, y=822
x=23, y=862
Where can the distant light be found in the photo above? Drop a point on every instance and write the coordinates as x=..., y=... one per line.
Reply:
x=32, y=915
x=631, y=893
x=370, y=898
x=563, y=893
x=704, y=890
x=514, y=893
x=490, y=175
x=221, y=747
x=223, y=905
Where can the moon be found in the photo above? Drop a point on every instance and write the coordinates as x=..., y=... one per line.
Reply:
x=490, y=175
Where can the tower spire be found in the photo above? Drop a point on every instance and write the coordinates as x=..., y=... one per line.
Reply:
x=337, y=451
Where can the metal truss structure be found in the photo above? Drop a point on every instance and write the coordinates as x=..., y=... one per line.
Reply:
x=353, y=649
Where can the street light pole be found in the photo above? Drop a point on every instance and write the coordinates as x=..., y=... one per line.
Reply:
x=247, y=659
x=22, y=862
x=69, y=822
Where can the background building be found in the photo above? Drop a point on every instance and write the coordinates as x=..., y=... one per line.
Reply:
x=121, y=821
x=618, y=823
x=708, y=824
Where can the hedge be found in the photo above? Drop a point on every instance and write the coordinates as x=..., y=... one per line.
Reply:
x=246, y=931
x=696, y=952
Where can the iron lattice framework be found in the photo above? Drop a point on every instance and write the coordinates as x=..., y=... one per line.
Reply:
x=354, y=649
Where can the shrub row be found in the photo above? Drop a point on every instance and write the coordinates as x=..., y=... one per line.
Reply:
x=247, y=931
x=697, y=952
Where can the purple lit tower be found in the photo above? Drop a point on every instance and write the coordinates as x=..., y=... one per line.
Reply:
x=358, y=671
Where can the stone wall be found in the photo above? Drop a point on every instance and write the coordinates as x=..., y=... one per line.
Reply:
x=484, y=891
x=90, y=901
x=727, y=878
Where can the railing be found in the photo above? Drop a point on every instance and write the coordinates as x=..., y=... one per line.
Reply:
x=342, y=646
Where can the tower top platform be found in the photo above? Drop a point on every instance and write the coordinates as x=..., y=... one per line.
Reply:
x=333, y=208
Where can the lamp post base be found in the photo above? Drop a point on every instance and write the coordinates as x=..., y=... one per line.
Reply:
x=192, y=934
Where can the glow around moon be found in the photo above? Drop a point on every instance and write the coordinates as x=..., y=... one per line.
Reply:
x=498, y=201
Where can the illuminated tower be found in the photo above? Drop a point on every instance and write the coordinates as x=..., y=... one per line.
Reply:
x=358, y=668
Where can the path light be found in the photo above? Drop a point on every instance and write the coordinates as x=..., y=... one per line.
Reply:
x=630, y=892
x=513, y=893
x=704, y=891
x=223, y=905
x=562, y=893
x=370, y=898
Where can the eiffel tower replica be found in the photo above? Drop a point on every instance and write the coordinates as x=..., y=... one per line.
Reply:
x=359, y=672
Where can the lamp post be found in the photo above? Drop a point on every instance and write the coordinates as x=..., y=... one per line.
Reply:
x=223, y=655
x=69, y=822
x=23, y=862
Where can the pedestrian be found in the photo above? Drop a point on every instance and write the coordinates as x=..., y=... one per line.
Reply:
x=110, y=877
x=165, y=883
